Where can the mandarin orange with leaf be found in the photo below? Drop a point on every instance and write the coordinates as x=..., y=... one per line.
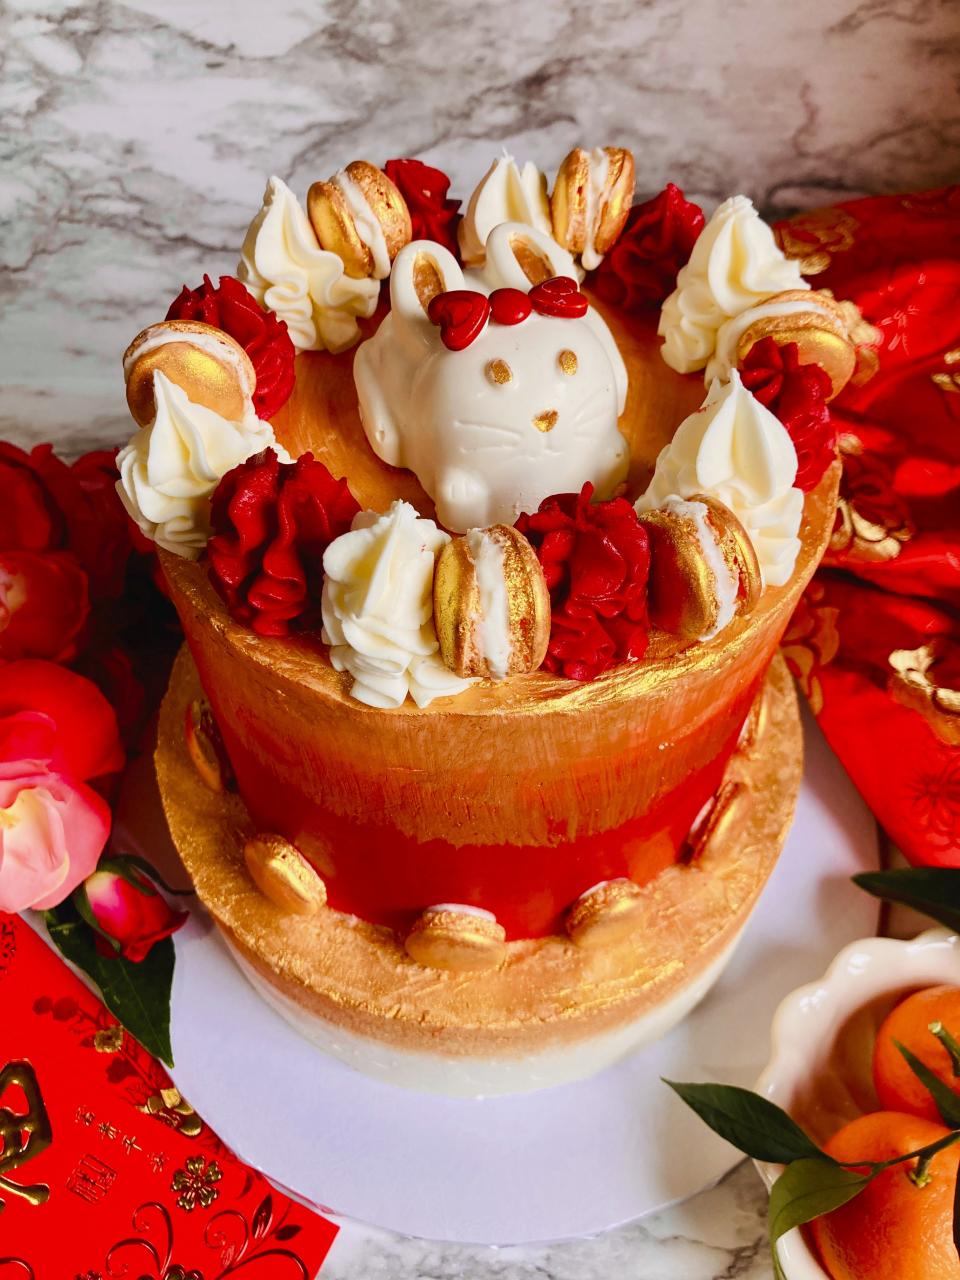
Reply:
x=910, y=1024
x=900, y=1227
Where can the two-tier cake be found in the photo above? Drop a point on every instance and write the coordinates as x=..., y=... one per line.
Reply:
x=480, y=753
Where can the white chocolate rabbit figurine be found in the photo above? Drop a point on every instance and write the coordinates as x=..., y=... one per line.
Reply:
x=529, y=408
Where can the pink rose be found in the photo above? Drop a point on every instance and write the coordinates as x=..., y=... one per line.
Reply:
x=57, y=731
x=128, y=910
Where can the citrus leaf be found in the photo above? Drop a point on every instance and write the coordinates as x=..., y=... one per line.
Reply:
x=805, y=1190
x=753, y=1124
x=947, y=1102
x=137, y=994
x=934, y=891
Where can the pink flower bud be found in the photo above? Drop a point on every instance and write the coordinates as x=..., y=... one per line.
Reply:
x=130, y=911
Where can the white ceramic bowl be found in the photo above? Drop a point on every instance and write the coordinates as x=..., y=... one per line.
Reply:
x=821, y=1043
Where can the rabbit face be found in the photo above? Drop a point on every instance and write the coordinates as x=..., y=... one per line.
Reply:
x=525, y=411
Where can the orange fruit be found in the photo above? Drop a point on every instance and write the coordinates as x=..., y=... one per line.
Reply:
x=894, y=1229
x=897, y=1087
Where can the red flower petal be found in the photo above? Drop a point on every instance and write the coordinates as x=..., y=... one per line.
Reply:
x=43, y=604
x=87, y=742
x=29, y=518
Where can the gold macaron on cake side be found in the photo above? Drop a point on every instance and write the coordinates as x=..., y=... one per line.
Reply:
x=360, y=215
x=491, y=604
x=703, y=567
x=591, y=199
x=813, y=319
x=203, y=361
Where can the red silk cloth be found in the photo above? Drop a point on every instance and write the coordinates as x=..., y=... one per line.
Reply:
x=104, y=1169
x=875, y=642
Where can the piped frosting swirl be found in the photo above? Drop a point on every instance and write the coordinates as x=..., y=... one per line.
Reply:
x=377, y=606
x=734, y=449
x=283, y=266
x=736, y=263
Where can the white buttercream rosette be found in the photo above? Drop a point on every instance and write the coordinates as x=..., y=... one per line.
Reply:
x=377, y=607
x=169, y=469
x=736, y=263
x=735, y=450
x=283, y=266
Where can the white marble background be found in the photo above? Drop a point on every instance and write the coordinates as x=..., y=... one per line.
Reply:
x=136, y=137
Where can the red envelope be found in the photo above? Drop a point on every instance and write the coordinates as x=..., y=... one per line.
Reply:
x=104, y=1169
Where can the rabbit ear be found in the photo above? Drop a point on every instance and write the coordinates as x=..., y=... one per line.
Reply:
x=519, y=256
x=422, y=270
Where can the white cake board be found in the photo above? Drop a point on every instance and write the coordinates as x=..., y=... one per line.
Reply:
x=563, y=1163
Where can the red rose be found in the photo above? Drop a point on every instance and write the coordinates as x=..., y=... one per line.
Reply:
x=797, y=393
x=109, y=665
x=57, y=732
x=263, y=335
x=640, y=271
x=272, y=522
x=596, y=559
x=50, y=506
x=434, y=216
x=43, y=604
x=129, y=912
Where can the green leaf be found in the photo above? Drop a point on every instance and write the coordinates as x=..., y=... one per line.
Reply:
x=138, y=995
x=805, y=1190
x=754, y=1125
x=934, y=891
x=947, y=1102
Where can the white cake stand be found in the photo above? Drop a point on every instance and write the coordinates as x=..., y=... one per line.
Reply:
x=563, y=1163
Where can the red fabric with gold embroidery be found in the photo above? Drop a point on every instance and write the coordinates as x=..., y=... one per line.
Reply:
x=876, y=640
x=104, y=1169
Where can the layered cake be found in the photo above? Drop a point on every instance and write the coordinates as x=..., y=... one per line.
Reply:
x=483, y=532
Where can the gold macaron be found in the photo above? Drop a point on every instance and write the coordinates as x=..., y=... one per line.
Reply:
x=459, y=593
x=282, y=874
x=721, y=821
x=336, y=227
x=461, y=941
x=205, y=746
x=683, y=596
x=578, y=221
x=821, y=333
x=205, y=362
x=606, y=914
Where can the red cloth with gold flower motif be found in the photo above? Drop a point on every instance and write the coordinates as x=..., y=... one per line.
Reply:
x=104, y=1169
x=876, y=640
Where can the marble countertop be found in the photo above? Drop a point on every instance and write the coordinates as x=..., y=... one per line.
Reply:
x=720, y=1234
x=139, y=134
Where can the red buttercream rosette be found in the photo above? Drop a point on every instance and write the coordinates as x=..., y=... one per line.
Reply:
x=596, y=559
x=433, y=214
x=797, y=393
x=263, y=335
x=640, y=271
x=272, y=522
